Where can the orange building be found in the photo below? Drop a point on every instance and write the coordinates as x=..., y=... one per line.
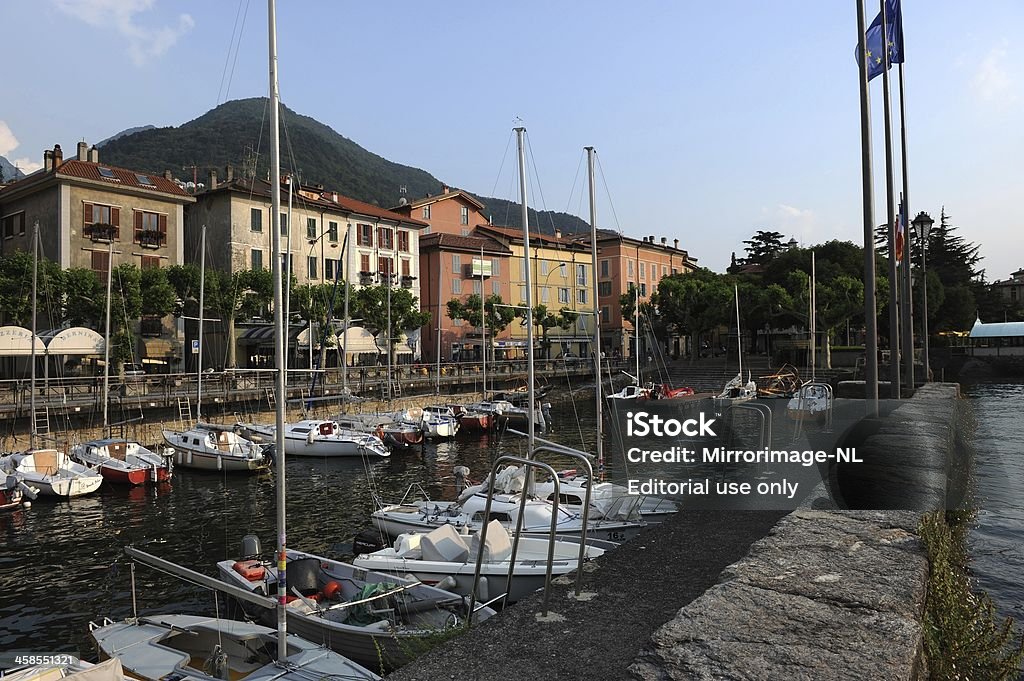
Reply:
x=624, y=262
x=453, y=211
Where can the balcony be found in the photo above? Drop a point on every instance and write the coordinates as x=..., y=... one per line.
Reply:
x=407, y=281
x=149, y=238
x=151, y=327
x=100, y=232
x=366, y=278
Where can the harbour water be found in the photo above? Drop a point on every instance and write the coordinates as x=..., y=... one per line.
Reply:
x=62, y=564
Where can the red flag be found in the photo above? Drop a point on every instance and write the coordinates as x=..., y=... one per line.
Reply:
x=899, y=239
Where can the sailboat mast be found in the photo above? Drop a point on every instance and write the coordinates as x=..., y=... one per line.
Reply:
x=202, y=313
x=739, y=336
x=279, y=336
x=597, y=316
x=106, y=335
x=531, y=385
x=32, y=392
x=483, y=321
x=636, y=333
x=814, y=315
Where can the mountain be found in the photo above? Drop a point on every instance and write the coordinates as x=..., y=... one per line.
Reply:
x=121, y=134
x=8, y=172
x=236, y=133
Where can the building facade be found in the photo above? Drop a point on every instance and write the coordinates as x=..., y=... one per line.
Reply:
x=95, y=216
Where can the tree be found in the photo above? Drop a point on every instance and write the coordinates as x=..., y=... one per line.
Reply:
x=84, y=297
x=763, y=246
x=245, y=294
x=694, y=303
x=158, y=296
x=498, y=317
x=371, y=304
x=16, y=290
x=125, y=308
x=185, y=280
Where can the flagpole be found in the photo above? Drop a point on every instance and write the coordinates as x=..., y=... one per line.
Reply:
x=890, y=225
x=870, y=322
x=908, y=296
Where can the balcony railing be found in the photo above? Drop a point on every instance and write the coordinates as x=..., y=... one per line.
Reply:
x=149, y=238
x=407, y=281
x=101, y=232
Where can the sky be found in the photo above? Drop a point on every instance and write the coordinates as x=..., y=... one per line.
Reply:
x=711, y=120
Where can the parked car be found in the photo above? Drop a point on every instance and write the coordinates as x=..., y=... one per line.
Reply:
x=134, y=370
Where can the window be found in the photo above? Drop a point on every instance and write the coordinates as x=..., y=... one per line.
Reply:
x=100, y=263
x=565, y=270
x=426, y=212
x=256, y=219
x=365, y=235
x=101, y=222
x=144, y=180
x=332, y=231
x=256, y=259
x=14, y=224
x=643, y=290
x=456, y=285
x=385, y=266
x=545, y=294
x=604, y=288
x=543, y=268
x=495, y=269
x=522, y=270
x=563, y=296
x=496, y=288
x=465, y=231
x=107, y=173
x=477, y=287
x=403, y=240
x=581, y=295
x=581, y=275
x=284, y=224
x=604, y=268
x=150, y=229
x=311, y=261
x=664, y=270
x=364, y=263
x=654, y=272
x=629, y=267
x=406, y=267
x=643, y=270
x=329, y=266
x=311, y=231
x=605, y=315
x=522, y=294
x=386, y=237
x=464, y=215
x=456, y=262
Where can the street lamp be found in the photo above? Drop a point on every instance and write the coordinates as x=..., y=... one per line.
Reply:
x=922, y=225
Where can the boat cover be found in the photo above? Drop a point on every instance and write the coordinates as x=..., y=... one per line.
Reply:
x=497, y=547
x=444, y=544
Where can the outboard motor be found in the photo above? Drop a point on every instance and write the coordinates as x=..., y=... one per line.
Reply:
x=367, y=541
x=251, y=547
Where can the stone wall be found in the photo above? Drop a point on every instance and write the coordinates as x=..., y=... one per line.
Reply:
x=831, y=594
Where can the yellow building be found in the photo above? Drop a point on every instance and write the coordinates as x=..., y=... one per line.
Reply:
x=561, y=272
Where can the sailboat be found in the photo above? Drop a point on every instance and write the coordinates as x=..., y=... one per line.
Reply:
x=118, y=460
x=182, y=646
x=50, y=471
x=736, y=390
x=813, y=401
x=634, y=390
x=207, y=446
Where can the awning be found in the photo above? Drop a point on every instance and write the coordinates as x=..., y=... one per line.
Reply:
x=16, y=341
x=401, y=346
x=997, y=330
x=358, y=340
x=264, y=335
x=76, y=340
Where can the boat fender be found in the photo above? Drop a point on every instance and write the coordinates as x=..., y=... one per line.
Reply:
x=482, y=591
x=331, y=591
x=383, y=625
x=252, y=570
x=310, y=437
x=447, y=584
x=26, y=504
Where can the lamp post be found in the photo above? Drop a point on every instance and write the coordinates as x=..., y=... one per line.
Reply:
x=922, y=225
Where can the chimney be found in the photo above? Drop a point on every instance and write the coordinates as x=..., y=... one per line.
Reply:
x=48, y=160
x=676, y=242
x=650, y=239
x=94, y=155
x=58, y=157
x=229, y=173
x=334, y=196
x=168, y=176
x=664, y=241
x=83, y=151
x=445, y=189
x=213, y=178
x=558, y=233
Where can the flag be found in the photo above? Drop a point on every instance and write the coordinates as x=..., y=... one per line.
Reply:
x=900, y=238
x=873, y=39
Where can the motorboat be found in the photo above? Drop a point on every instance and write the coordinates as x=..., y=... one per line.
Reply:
x=192, y=647
x=444, y=554
x=812, y=402
x=376, y=619
x=607, y=500
x=472, y=421
x=52, y=472
x=736, y=391
x=123, y=462
x=323, y=438
x=439, y=422
x=13, y=493
x=215, y=448
x=394, y=433
x=633, y=392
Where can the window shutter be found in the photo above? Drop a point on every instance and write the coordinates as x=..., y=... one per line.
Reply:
x=87, y=219
x=115, y=221
x=138, y=226
x=162, y=226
